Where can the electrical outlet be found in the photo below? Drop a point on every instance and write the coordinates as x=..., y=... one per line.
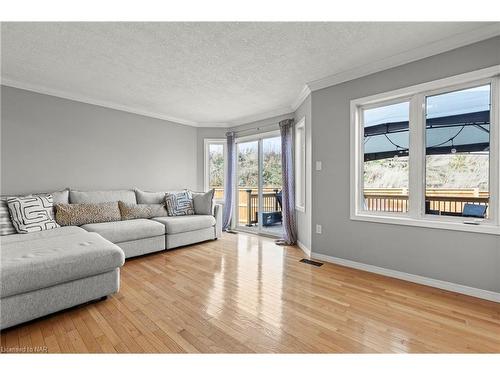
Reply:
x=318, y=229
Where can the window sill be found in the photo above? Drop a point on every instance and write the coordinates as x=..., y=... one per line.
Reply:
x=486, y=228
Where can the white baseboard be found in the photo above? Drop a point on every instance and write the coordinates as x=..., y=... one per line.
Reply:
x=304, y=248
x=463, y=289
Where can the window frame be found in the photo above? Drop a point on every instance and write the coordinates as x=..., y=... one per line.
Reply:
x=416, y=95
x=300, y=183
x=206, y=169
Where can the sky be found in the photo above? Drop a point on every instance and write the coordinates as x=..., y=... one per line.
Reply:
x=451, y=103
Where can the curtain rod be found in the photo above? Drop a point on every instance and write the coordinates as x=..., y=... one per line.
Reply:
x=257, y=128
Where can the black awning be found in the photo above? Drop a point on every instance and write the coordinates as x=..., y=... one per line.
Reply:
x=468, y=132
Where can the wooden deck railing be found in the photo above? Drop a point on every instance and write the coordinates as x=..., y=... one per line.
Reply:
x=269, y=204
x=386, y=203
x=386, y=200
x=248, y=202
x=440, y=201
x=452, y=205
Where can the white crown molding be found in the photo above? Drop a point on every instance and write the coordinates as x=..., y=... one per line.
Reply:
x=445, y=285
x=443, y=45
x=223, y=125
x=431, y=49
x=120, y=107
x=101, y=103
x=306, y=91
x=261, y=116
x=440, y=46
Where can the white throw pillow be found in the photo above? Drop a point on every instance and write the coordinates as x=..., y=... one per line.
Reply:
x=32, y=213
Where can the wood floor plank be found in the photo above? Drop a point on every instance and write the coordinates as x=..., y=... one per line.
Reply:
x=244, y=294
x=37, y=338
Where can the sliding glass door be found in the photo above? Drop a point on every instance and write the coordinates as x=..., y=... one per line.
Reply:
x=247, y=184
x=258, y=198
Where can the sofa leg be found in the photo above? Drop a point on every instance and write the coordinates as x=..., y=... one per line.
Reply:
x=103, y=298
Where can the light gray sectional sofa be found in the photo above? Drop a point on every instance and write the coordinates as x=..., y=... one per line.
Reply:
x=142, y=236
x=48, y=271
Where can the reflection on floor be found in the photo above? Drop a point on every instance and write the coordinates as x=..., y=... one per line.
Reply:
x=276, y=230
x=273, y=230
x=243, y=293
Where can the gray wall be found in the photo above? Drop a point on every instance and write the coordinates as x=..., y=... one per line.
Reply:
x=50, y=143
x=304, y=218
x=458, y=257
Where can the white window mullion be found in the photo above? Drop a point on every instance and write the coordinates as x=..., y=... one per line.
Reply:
x=494, y=183
x=417, y=157
x=360, y=197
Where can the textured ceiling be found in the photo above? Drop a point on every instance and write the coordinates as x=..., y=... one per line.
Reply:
x=200, y=73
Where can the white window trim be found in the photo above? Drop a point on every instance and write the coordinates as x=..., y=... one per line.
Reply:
x=416, y=94
x=301, y=125
x=256, y=137
x=207, y=143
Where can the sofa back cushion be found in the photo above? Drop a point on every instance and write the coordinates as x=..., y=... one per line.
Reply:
x=61, y=196
x=102, y=196
x=32, y=213
x=150, y=197
x=153, y=197
x=131, y=211
x=87, y=213
x=203, y=202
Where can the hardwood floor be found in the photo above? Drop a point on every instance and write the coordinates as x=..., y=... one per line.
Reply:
x=244, y=294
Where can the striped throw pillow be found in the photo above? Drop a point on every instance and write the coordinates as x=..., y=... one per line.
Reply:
x=6, y=226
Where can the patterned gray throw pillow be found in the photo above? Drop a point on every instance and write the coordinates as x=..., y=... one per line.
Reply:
x=32, y=213
x=179, y=204
x=131, y=211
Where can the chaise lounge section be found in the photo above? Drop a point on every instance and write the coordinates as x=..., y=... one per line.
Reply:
x=48, y=271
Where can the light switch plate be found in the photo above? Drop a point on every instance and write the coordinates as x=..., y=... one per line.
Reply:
x=318, y=165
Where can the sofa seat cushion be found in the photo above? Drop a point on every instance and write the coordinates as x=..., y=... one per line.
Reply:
x=43, y=262
x=180, y=224
x=128, y=230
